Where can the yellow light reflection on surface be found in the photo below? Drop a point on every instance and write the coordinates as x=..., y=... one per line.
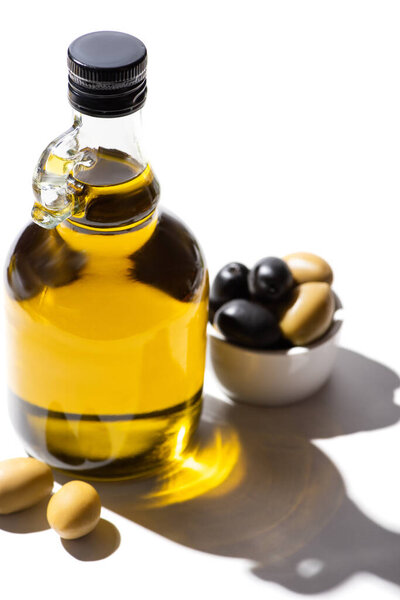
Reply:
x=203, y=469
x=180, y=438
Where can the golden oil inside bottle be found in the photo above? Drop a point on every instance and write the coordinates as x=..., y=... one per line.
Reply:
x=107, y=316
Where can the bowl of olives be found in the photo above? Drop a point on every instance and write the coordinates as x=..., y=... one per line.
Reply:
x=274, y=328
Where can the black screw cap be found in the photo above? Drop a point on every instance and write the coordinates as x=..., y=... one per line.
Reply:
x=107, y=74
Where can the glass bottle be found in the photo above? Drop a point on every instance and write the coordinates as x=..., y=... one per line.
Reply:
x=107, y=294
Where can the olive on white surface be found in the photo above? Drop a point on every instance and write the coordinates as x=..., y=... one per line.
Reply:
x=23, y=482
x=74, y=510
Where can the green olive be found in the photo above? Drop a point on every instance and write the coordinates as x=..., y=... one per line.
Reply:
x=74, y=510
x=308, y=267
x=309, y=314
x=23, y=482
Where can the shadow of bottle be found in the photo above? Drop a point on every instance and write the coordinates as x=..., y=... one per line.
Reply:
x=283, y=506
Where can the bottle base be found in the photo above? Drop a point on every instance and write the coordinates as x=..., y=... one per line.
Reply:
x=106, y=447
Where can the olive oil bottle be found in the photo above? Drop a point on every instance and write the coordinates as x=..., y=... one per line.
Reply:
x=107, y=294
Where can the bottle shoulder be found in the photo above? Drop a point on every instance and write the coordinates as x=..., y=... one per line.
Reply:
x=170, y=260
x=41, y=258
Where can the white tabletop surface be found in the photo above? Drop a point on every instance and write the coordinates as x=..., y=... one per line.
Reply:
x=273, y=127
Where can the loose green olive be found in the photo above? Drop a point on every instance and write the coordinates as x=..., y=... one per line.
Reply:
x=308, y=267
x=309, y=314
x=23, y=482
x=74, y=510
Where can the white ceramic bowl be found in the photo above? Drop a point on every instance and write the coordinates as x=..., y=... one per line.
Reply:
x=274, y=377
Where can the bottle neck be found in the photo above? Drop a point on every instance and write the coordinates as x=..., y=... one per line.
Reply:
x=95, y=175
x=123, y=134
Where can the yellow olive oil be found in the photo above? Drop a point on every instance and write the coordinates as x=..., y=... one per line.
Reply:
x=107, y=316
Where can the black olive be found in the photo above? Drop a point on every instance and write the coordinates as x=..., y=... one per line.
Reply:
x=270, y=280
x=229, y=283
x=247, y=323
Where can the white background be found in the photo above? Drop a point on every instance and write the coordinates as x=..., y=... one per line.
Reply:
x=273, y=126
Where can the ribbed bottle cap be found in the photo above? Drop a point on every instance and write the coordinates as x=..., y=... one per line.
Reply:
x=107, y=74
